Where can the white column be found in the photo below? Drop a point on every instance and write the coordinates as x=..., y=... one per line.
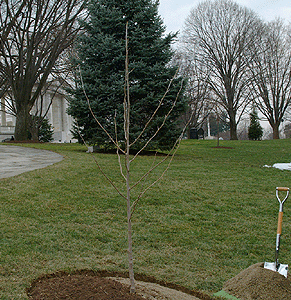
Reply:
x=208, y=126
x=3, y=112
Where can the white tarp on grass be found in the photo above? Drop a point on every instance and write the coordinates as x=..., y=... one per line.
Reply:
x=281, y=166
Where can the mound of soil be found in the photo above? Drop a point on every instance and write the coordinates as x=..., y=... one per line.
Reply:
x=103, y=286
x=256, y=282
x=81, y=287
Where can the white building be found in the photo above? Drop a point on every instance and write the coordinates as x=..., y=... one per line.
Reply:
x=56, y=106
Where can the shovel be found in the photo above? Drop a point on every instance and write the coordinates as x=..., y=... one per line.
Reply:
x=276, y=266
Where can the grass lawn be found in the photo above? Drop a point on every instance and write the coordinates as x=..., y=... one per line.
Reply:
x=213, y=215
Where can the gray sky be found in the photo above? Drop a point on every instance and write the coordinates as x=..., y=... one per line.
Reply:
x=174, y=12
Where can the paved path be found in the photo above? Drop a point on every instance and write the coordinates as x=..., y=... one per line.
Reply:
x=15, y=160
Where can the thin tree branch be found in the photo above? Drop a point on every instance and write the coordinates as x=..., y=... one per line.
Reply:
x=89, y=105
x=163, y=123
x=99, y=167
x=155, y=112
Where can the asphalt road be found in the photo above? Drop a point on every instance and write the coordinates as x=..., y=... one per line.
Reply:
x=15, y=160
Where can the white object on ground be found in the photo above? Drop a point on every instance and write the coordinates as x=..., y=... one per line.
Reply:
x=283, y=166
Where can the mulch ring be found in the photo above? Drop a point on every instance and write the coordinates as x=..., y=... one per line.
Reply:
x=87, y=284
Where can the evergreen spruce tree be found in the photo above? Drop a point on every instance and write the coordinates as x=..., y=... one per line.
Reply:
x=101, y=57
x=46, y=131
x=255, y=130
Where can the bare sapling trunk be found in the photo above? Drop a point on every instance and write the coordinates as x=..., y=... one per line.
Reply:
x=127, y=162
x=131, y=200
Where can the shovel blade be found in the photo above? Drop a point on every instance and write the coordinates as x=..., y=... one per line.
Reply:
x=283, y=269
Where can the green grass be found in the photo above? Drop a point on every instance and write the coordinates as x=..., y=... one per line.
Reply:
x=213, y=215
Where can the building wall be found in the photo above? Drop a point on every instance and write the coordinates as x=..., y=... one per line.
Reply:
x=56, y=105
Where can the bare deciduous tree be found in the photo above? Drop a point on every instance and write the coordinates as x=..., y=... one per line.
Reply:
x=8, y=16
x=271, y=74
x=198, y=93
x=219, y=35
x=28, y=52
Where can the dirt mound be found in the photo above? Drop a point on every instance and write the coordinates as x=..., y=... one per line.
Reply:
x=256, y=282
x=80, y=287
x=103, y=285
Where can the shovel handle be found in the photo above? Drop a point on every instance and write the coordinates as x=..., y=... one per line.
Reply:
x=280, y=220
x=282, y=189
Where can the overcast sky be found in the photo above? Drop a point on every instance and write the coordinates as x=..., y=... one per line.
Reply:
x=174, y=12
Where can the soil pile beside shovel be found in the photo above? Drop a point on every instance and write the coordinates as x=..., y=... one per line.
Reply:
x=256, y=282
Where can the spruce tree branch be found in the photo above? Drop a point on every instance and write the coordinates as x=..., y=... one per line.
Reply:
x=155, y=112
x=90, y=108
x=163, y=123
x=174, y=150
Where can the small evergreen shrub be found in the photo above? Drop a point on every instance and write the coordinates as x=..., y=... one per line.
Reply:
x=46, y=131
x=255, y=132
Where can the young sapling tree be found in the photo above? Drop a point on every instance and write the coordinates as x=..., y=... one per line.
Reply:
x=124, y=148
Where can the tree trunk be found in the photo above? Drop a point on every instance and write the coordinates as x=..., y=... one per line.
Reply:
x=233, y=127
x=188, y=132
x=34, y=128
x=22, y=124
x=130, y=254
x=127, y=162
x=275, y=128
x=233, y=133
x=217, y=123
x=34, y=132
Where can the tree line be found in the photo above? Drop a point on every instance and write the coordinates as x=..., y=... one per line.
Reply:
x=236, y=61
x=231, y=58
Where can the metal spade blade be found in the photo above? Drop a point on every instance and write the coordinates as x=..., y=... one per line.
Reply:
x=276, y=266
x=283, y=269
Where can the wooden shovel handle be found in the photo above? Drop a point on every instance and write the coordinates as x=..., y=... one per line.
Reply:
x=283, y=189
x=280, y=220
